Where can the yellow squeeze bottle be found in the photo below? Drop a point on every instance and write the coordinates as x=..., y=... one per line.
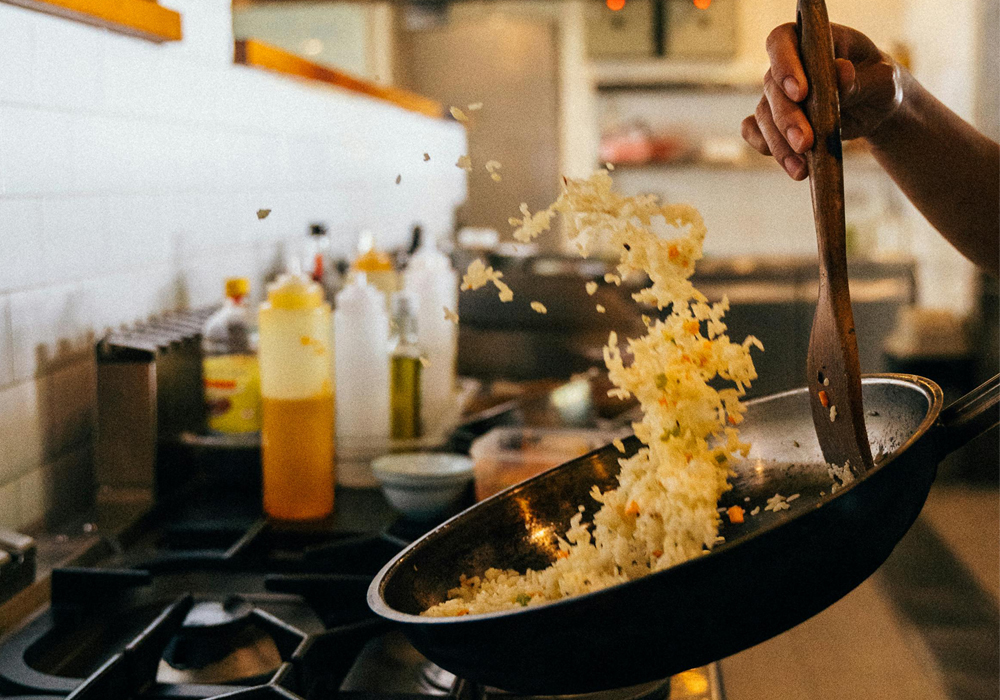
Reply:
x=297, y=400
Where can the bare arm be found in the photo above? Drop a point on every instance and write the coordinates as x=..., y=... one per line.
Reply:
x=949, y=170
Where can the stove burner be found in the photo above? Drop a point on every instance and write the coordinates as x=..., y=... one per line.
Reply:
x=248, y=656
x=211, y=631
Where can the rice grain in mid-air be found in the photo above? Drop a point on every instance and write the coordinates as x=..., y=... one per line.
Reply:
x=600, y=308
x=459, y=115
x=539, y=307
x=689, y=378
x=591, y=288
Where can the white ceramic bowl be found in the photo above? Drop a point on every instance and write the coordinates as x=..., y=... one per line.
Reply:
x=422, y=485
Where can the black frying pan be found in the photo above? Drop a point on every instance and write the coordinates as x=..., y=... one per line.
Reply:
x=773, y=572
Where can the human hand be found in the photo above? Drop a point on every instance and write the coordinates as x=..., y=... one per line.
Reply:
x=868, y=81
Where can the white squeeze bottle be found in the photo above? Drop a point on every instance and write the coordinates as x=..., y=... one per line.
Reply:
x=431, y=278
x=361, y=359
x=297, y=392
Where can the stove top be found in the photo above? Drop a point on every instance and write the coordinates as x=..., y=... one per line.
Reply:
x=213, y=609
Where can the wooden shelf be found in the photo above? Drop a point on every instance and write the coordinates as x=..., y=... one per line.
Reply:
x=250, y=52
x=667, y=74
x=144, y=19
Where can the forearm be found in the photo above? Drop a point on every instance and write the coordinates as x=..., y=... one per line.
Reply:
x=949, y=170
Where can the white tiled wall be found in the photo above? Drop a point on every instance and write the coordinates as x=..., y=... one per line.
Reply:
x=130, y=177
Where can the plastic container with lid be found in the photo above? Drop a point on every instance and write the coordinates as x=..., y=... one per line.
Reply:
x=297, y=398
x=509, y=455
x=361, y=332
x=229, y=364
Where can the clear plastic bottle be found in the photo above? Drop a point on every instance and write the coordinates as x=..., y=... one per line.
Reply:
x=430, y=277
x=404, y=370
x=229, y=364
x=298, y=402
x=361, y=333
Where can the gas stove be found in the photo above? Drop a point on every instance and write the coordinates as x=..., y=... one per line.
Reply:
x=242, y=610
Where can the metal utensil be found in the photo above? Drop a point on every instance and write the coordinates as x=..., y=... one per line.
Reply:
x=832, y=369
x=773, y=571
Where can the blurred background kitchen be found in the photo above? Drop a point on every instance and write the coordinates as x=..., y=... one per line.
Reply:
x=157, y=157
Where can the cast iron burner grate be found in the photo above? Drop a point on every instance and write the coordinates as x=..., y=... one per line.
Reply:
x=207, y=611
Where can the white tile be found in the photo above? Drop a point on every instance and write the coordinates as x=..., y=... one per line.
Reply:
x=68, y=58
x=32, y=499
x=35, y=149
x=21, y=252
x=19, y=431
x=49, y=328
x=74, y=238
x=10, y=506
x=132, y=71
x=17, y=56
x=135, y=235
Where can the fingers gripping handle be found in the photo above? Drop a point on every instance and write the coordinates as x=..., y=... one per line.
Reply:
x=822, y=107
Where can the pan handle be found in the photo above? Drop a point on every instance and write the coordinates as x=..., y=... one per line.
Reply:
x=971, y=416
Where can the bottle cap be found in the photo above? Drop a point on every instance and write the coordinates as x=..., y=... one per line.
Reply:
x=370, y=258
x=237, y=287
x=294, y=291
x=360, y=295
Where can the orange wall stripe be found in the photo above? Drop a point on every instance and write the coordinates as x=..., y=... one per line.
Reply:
x=250, y=52
x=139, y=18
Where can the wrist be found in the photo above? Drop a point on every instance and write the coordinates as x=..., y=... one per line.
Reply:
x=895, y=114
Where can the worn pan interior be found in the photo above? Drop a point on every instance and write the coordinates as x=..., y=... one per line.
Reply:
x=773, y=571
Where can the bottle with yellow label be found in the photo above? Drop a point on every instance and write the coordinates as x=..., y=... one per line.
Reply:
x=297, y=389
x=229, y=364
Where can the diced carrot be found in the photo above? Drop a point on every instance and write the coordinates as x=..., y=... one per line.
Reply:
x=562, y=554
x=633, y=509
x=735, y=514
x=657, y=553
x=691, y=327
x=463, y=611
x=673, y=252
x=730, y=420
x=687, y=457
x=824, y=399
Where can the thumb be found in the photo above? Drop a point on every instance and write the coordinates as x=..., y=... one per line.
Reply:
x=847, y=80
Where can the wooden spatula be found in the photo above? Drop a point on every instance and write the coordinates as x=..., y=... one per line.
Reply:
x=834, y=374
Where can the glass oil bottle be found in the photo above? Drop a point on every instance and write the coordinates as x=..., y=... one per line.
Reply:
x=405, y=365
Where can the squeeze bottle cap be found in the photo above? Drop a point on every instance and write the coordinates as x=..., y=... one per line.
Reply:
x=237, y=287
x=294, y=291
x=360, y=294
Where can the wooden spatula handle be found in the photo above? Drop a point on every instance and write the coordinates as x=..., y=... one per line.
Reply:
x=833, y=369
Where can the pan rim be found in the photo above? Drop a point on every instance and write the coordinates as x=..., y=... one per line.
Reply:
x=376, y=601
